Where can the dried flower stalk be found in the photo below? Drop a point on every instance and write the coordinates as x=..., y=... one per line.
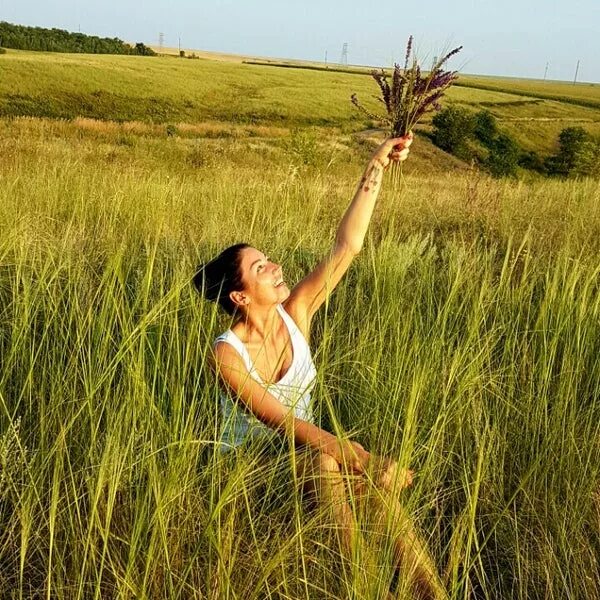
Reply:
x=410, y=95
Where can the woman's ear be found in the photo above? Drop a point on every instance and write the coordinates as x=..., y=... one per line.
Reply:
x=239, y=298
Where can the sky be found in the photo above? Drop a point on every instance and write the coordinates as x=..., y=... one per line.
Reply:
x=502, y=37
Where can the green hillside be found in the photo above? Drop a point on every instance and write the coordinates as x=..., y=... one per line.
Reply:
x=170, y=90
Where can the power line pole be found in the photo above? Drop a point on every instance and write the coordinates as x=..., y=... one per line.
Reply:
x=161, y=41
x=576, y=72
x=325, y=56
x=546, y=70
x=344, y=59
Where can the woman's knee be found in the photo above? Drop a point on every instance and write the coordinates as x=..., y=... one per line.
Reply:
x=328, y=480
x=326, y=464
x=319, y=474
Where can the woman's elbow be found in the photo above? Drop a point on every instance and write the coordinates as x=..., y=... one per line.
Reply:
x=348, y=248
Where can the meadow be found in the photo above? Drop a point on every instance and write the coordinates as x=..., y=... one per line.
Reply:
x=463, y=342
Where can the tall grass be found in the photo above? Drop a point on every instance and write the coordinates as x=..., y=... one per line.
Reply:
x=464, y=342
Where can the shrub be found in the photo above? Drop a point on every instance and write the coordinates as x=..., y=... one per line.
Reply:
x=533, y=161
x=206, y=155
x=304, y=147
x=2, y=50
x=485, y=127
x=504, y=155
x=461, y=132
x=587, y=163
x=171, y=130
x=126, y=140
x=452, y=128
x=578, y=154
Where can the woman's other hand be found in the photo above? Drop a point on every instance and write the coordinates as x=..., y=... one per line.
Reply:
x=391, y=477
x=393, y=150
x=385, y=472
x=351, y=456
x=361, y=459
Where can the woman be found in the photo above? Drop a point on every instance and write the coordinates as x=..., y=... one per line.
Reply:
x=264, y=365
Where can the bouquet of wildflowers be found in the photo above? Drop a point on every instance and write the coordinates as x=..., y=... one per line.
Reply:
x=411, y=94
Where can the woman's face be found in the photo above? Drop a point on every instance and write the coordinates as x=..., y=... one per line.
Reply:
x=262, y=278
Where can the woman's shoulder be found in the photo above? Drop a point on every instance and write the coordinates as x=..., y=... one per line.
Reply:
x=233, y=335
x=229, y=348
x=226, y=336
x=298, y=316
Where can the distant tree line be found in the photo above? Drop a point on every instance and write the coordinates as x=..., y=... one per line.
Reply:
x=476, y=137
x=22, y=37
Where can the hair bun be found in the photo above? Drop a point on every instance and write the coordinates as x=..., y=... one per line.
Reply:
x=216, y=279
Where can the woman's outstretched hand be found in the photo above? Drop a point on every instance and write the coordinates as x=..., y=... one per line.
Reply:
x=394, y=149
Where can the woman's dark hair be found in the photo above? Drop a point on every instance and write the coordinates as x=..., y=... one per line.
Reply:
x=216, y=279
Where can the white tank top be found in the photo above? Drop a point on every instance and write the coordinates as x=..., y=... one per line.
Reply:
x=292, y=390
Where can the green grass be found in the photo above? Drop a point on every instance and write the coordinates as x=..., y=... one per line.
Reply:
x=167, y=90
x=463, y=342
x=582, y=94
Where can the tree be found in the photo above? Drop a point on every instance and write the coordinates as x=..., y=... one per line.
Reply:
x=143, y=50
x=578, y=154
x=503, y=158
x=452, y=129
x=59, y=40
x=486, y=128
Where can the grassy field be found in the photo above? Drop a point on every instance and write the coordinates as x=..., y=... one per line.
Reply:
x=169, y=90
x=582, y=93
x=463, y=342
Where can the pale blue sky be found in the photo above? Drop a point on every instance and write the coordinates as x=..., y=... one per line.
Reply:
x=502, y=37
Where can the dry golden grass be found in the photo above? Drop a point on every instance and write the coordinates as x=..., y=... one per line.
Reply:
x=114, y=128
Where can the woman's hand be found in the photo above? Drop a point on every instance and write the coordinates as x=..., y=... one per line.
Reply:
x=393, y=150
x=385, y=472
x=361, y=458
x=389, y=476
x=349, y=455
x=354, y=457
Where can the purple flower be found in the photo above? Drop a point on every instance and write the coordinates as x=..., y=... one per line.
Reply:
x=408, y=52
x=411, y=95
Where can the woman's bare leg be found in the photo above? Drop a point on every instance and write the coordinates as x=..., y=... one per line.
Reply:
x=321, y=479
x=410, y=553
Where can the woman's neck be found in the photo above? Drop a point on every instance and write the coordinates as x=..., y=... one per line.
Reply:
x=259, y=323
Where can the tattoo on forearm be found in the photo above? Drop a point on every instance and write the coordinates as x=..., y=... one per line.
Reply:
x=372, y=178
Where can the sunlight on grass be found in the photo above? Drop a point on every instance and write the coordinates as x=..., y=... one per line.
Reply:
x=464, y=342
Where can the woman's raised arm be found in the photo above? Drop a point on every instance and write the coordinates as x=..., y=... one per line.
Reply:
x=310, y=293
